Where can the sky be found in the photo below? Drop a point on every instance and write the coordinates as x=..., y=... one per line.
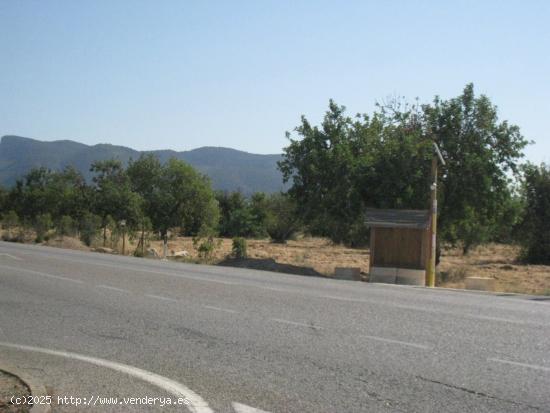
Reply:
x=184, y=74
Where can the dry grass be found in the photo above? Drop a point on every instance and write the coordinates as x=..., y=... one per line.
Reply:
x=499, y=262
x=316, y=253
x=320, y=256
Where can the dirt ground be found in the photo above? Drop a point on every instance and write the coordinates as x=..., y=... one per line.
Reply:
x=318, y=256
x=494, y=261
x=11, y=386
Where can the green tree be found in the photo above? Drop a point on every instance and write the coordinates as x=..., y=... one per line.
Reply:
x=89, y=227
x=480, y=151
x=282, y=219
x=175, y=195
x=65, y=226
x=42, y=224
x=114, y=197
x=44, y=191
x=236, y=219
x=345, y=165
x=259, y=210
x=535, y=224
x=3, y=200
x=10, y=220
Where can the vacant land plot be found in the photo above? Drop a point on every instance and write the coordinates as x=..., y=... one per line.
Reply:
x=319, y=256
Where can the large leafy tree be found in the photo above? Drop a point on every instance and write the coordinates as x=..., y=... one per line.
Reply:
x=482, y=153
x=43, y=191
x=114, y=199
x=347, y=164
x=175, y=195
x=383, y=160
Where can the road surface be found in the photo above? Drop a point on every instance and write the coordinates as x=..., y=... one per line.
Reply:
x=234, y=340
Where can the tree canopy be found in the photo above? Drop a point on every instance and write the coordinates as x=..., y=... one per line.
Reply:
x=382, y=160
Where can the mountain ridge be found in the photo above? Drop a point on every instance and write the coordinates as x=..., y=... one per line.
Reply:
x=228, y=169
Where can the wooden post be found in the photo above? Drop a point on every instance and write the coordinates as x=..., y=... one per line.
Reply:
x=372, y=240
x=430, y=279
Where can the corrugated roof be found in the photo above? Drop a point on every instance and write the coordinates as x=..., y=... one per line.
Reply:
x=398, y=218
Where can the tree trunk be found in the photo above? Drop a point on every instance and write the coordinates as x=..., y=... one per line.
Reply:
x=165, y=244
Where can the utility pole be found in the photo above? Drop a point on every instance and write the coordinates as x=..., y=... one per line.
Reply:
x=430, y=281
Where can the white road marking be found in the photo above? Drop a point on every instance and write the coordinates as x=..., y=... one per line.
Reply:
x=355, y=300
x=110, y=287
x=435, y=311
x=42, y=274
x=10, y=256
x=243, y=408
x=196, y=403
x=295, y=323
x=211, y=307
x=515, y=363
x=403, y=343
x=160, y=297
x=140, y=269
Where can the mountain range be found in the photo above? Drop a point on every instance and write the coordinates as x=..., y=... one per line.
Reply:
x=228, y=169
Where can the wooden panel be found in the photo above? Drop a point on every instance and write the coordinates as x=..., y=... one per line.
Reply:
x=399, y=247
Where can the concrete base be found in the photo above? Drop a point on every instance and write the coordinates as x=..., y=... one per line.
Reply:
x=411, y=277
x=347, y=273
x=383, y=275
x=390, y=275
x=480, y=283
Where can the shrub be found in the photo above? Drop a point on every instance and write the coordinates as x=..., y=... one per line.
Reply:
x=239, y=248
x=205, y=244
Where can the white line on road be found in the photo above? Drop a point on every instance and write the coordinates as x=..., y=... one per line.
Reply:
x=435, y=311
x=295, y=323
x=403, y=343
x=128, y=267
x=110, y=287
x=515, y=363
x=196, y=403
x=10, y=256
x=211, y=307
x=243, y=408
x=42, y=274
x=160, y=297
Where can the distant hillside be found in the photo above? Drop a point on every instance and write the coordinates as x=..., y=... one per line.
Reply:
x=228, y=169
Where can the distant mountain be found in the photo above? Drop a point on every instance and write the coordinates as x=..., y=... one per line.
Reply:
x=228, y=169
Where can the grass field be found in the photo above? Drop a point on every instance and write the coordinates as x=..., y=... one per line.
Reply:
x=318, y=256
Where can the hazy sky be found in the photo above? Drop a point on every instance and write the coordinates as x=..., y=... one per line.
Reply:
x=183, y=74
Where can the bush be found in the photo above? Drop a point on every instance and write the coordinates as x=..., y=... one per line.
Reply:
x=205, y=244
x=239, y=248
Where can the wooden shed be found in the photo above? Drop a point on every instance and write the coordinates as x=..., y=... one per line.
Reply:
x=399, y=245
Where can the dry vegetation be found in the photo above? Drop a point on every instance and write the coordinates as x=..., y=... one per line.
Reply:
x=317, y=256
x=494, y=261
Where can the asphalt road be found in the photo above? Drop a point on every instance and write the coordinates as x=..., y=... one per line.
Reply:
x=233, y=340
